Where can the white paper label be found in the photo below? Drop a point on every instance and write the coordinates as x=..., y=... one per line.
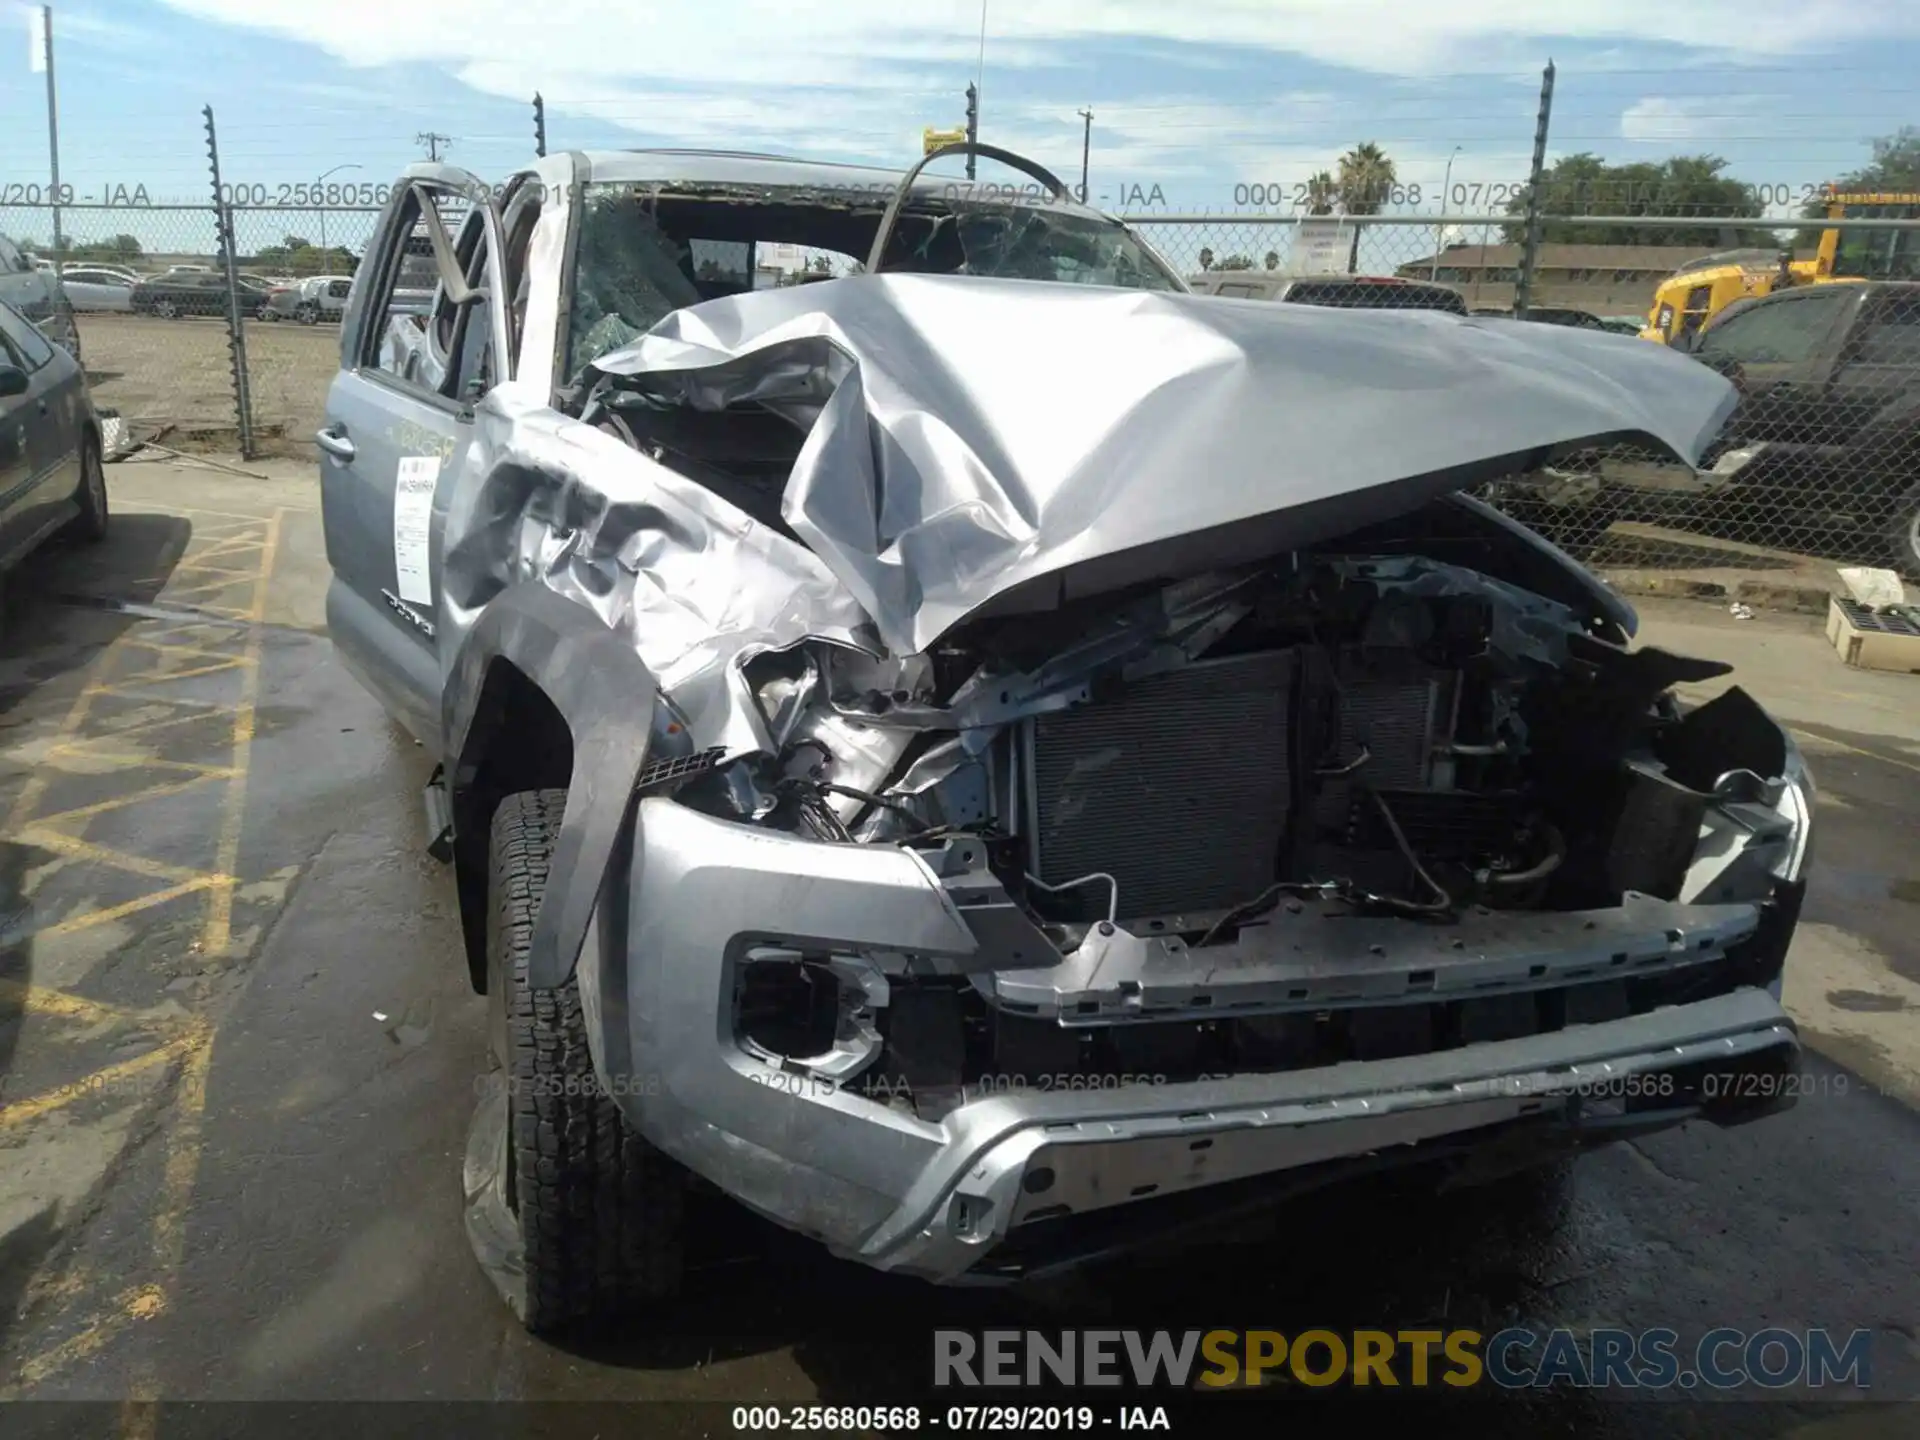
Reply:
x=412, y=525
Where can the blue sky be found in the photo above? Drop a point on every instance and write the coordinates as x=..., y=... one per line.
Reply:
x=1193, y=97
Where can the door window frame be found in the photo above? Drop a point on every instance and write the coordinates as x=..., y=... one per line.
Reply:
x=459, y=286
x=26, y=342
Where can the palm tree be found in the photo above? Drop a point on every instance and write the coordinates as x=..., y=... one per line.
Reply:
x=1321, y=194
x=1366, y=179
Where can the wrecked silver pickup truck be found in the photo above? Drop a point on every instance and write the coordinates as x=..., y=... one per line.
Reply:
x=988, y=757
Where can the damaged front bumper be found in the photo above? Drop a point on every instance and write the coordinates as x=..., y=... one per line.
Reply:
x=1007, y=1173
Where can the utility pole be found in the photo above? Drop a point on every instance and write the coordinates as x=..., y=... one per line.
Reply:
x=44, y=57
x=1086, y=145
x=973, y=124
x=433, y=140
x=539, y=125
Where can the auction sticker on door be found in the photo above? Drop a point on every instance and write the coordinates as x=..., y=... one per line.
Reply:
x=412, y=521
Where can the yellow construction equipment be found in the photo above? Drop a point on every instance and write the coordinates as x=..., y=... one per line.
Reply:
x=1695, y=293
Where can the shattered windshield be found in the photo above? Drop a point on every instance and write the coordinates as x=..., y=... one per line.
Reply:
x=644, y=254
x=1026, y=242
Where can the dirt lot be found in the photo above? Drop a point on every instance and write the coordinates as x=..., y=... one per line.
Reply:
x=157, y=372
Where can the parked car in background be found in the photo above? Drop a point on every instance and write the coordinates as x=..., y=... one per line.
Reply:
x=1343, y=292
x=320, y=297
x=194, y=292
x=37, y=294
x=1562, y=315
x=51, y=476
x=1824, y=440
x=279, y=301
x=1828, y=430
x=90, y=289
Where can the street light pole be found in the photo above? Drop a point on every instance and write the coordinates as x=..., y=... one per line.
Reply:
x=1440, y=231
x=323, y=209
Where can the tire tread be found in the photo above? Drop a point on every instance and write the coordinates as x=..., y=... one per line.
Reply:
x=600, y=1210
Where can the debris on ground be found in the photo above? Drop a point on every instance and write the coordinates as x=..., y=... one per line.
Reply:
x=1877, y=590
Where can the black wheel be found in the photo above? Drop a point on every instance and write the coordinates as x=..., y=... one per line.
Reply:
x=574, y=1217
x=89, y=527
x=166, y=310
x=1903, y=535
x=306, y=315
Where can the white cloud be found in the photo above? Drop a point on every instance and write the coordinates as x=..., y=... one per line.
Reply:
x=764, y=42
x=857, y=79
x=1668, y=119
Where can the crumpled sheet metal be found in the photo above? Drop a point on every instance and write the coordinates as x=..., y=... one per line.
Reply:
x=698, y=587
x=973, y=434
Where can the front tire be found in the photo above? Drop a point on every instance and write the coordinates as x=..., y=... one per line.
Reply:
x=307, y=315
x=573, y=1215
x=166, y=310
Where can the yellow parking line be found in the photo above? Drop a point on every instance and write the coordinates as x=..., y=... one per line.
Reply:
x=224, y=514
x=34, y=1106
x=185, y=1131
x=132, y=797
x=78, y=849
x=219, y=924
x=171, y=647
x=231, y=546
x=36, y=783
x=26, y=999
x=150, y=677
x=197, y=568
x=226, y=581
x=1818, y=740
x=147, y=727
x=183, y=1161
x=143, y=1302
x=131, y=762
x=127, y=907
x=194, y=704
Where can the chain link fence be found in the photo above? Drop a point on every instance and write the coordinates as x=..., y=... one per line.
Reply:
x=1816, y=322
x=151, y=310
x=1820, y=461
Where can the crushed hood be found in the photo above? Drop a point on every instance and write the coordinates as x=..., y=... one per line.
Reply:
x=982, y=443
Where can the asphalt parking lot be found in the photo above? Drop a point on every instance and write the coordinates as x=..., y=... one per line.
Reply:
x=238, y=1053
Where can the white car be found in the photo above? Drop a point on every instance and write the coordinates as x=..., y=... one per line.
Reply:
x=317, y=298
x=96, y=288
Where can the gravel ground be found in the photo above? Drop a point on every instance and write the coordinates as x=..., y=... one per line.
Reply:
x=179, y=372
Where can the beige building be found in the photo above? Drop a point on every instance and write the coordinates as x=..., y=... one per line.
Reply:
x=1604, y=280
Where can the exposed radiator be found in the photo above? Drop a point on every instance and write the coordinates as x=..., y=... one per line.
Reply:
x=1178, y=788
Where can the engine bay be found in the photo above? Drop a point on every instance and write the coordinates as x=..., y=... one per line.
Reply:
x=1153, y=806
x=1402, y=735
